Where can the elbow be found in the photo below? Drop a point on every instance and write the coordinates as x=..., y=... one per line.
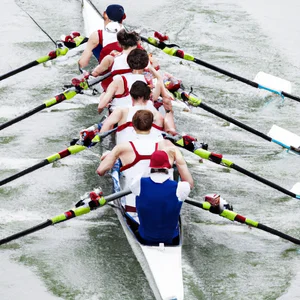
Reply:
x=82, y=63
x=191, y=182
x=100, y=170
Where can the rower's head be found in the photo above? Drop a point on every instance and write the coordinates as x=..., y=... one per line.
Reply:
x=128, y=39
x=142, y=121
x=115, y=13
x=137, y=59
x=140, y=91
x=159, y=162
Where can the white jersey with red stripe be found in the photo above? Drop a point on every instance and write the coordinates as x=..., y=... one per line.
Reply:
x=120, y=62
x=109, y=35
x=124, y=99
x=126, y=131
x=143, y=148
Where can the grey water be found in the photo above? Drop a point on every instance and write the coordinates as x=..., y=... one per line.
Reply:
x=89, y=257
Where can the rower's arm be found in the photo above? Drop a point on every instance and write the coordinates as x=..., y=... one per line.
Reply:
x=114, y=118
x=87, y=53
x=105, y=64
x=108, y=162
x=110, y=93
x=183, y=170
x=169, y=124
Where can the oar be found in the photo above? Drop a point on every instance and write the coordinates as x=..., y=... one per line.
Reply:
x=198, y=103
x=262, y=80
x=218, y=159
x=97, y=200
x=233, y=216
x=63, y=48
x=66, y=95
x=57, y=156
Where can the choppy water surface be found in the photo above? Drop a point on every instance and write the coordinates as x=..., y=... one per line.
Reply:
x=89, y=257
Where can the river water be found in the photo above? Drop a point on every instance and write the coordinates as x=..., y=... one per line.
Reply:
x=89, y=257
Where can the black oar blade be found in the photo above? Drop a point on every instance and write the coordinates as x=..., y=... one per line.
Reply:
x=26, y=232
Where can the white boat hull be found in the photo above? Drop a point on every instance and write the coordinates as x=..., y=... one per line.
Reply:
x=161, y=264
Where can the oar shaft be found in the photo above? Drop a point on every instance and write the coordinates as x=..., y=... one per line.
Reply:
x=290, y=96
x=22, y=117
x=233, y=121
x=70, y=214
x=278, y=233
x=24, y=172
x=233, y=216
x=26, y=232
x=218, y=159
x=263, y=180
x=224, y=72
x=59, y=155
x=18, y=70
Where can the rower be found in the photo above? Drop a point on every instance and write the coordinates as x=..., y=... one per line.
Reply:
x=135, y=155
x=102, y=42
x=117, y=93
x=158, y=202
x=140, y=94
x=116, y=62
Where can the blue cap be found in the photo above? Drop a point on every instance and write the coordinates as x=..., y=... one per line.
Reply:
x=115, y=12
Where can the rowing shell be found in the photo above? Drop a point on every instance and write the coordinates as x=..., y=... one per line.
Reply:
x=161, y=264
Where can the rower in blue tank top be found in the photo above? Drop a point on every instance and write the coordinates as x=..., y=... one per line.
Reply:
x=158, y=202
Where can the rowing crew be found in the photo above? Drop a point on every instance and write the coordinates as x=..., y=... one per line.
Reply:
x=157, y=199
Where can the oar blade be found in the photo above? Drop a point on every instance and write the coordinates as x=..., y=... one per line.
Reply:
x=284, y=136
x=296, y=188
x=273, y=82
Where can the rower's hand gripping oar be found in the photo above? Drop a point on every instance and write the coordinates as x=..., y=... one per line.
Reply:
x=61, y=50
x=80, y=146
x=78, y=86
x=192, y=100
x=233, y=216
x=96, y=201
x=218, y=159
x=262, y=80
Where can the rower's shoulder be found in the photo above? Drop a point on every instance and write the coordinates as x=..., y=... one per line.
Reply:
x=94, y=37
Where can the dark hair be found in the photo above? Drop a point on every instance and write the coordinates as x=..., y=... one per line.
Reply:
x=159, y=171
x=138, y=59
x=142, y=120
x=127, y=39
x=140, y=89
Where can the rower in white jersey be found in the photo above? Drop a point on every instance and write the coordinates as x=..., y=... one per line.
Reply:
x=116, y=62
x=117, y=94
x=102, y=42
x=135, y=156
x=140, y=94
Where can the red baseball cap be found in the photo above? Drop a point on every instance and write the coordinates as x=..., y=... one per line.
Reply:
x=159, y=160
